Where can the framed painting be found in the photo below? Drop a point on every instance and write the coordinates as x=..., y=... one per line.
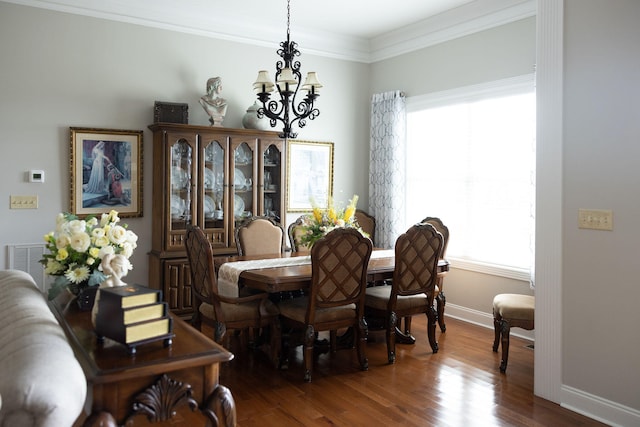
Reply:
x=106, y=171
x=309, y=175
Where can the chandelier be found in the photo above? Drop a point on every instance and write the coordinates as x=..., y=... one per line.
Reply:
x=288, y=77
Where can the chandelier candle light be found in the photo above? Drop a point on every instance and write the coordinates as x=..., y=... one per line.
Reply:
x=288, y=79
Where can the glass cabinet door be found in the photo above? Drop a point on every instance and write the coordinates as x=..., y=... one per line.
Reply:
x=271, y=181
x=181, y=184
x=243, y=180
x=214, y=200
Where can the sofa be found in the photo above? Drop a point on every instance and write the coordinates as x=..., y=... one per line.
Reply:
x=41, y=382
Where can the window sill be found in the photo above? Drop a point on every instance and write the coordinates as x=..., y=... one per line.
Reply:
x=493, y=269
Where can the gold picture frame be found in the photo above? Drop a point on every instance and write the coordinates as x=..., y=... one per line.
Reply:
x=106, y=171
x=309, y=175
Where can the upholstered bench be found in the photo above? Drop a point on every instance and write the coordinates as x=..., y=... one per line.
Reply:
x=41, y=382
x=509, y=311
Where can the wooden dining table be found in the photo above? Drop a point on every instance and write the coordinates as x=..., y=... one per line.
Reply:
x=298, y=277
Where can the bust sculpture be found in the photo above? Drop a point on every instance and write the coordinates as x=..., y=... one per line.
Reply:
x=115, y=267
x=213, y=103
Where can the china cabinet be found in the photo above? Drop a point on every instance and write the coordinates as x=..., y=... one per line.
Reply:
x=214, y=178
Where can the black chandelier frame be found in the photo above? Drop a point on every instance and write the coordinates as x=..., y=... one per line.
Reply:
x=287, y=109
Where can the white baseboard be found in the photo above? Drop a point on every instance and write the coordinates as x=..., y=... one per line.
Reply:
x=591, y=406
x=600, y=409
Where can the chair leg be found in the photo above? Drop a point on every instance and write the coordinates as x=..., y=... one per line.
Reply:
x=407, y=325
x=496, y=329
x=441, y=301
x=309, y=339
x=505, y=330
x=432, y=319
x=361, y=336
x=220, y=331
x=391, y=337
x=333, y=341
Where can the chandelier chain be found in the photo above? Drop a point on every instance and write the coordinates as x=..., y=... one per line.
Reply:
x=288, y=18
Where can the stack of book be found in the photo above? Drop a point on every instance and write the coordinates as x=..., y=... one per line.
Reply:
x=133, y=315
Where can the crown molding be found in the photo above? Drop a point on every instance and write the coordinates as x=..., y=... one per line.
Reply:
x=472, y=17
x=453, y=24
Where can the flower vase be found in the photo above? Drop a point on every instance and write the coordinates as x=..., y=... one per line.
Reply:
x=86, y=297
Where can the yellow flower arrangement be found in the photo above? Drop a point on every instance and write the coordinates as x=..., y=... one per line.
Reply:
x=77, y=246
x=321, y=221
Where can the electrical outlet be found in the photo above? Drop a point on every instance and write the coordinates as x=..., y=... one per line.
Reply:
x=595, y=219
x=23, y=202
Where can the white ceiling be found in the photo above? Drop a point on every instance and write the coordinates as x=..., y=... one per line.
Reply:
x=360, y=30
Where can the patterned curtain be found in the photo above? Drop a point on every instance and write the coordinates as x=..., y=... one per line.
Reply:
x=387, y=166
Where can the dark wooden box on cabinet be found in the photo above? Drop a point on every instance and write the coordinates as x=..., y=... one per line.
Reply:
x=170, y=112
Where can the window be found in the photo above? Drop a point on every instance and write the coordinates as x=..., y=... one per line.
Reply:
x=471, y=162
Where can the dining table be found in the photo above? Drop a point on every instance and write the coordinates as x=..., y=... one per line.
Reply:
x=288, y=272
x=294, y=276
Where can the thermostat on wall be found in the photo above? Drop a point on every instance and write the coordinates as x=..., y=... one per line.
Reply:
x=36, y=176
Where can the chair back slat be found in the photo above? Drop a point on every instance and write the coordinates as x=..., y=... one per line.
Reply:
x=442, y=229
x=367, y=223
x=339, y=268
x=416, y=255
x=295, y=231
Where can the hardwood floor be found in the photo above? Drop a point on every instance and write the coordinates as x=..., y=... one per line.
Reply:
x=460, y=385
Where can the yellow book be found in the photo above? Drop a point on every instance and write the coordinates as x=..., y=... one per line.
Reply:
x=145, y=330
x=143, y=312
x=129, y=296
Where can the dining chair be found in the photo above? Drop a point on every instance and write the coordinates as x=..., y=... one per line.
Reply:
x=367, y=223
x=294, y=231
x=511, y=311
x=412, y=290
x=220, y=312
x=260, y=235
x=441, y=300
x=335, y=299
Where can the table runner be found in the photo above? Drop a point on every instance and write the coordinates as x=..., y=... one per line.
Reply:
x=229, y=272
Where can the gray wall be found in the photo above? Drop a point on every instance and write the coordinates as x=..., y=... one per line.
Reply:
x=600, y=288
x=60, y=70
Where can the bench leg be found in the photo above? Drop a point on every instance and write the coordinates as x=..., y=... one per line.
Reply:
x=505, y=330
x=496, y=329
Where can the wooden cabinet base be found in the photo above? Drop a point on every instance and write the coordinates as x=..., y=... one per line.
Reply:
x=170, y=402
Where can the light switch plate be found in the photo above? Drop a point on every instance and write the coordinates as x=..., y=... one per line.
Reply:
x=23, y=202
x=595, y=219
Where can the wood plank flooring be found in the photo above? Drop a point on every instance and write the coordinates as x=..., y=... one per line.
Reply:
x=460, y=385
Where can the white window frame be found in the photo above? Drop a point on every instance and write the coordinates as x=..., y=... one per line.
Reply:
x=494, y=89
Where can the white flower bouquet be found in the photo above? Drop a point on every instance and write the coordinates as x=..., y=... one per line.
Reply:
x=77, y=246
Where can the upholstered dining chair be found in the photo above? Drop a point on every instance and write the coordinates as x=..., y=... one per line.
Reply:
x=220, y=312
x=367, y=223
x=335, y=299
x=510, y=311
x=294, y=231
x=413, y=288
x=441, y=300
x=260, y=235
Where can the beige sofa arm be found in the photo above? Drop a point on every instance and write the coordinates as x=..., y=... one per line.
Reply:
x=41, y=382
